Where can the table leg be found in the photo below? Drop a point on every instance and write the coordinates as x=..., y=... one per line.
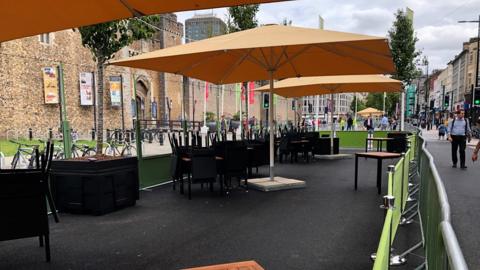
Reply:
x=379, y=175
x=356, y=171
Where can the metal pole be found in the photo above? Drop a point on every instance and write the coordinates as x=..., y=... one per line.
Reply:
x=218, y=110
x=67, y=139
x=317, y=111
x=94, y=104
x=478, y=59
x=402, y=110
x=121, y=102
x=272, y=128
x=356, y=108
x=384, y=97
x=332, y=97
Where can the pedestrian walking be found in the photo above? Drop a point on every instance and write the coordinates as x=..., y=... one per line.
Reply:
x=342, y=123
x=442, y=130
x=369, y=125
x=384, y=122
x=475, y=152
x=349, y=123
x=459, y=132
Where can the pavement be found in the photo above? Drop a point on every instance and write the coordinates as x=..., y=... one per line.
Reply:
x=327, y=225
x=462, y=187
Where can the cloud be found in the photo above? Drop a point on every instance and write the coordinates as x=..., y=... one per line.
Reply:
x=435, y=22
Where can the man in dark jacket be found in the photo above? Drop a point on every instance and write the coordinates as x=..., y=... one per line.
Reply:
x=459, y=131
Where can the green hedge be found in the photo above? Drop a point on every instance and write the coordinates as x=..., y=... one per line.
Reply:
x=354, y=139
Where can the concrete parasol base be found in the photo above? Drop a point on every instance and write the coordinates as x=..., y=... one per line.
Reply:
x=280, y=183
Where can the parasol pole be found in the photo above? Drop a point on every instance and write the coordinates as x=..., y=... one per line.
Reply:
x=332, y=98
x=272, y=129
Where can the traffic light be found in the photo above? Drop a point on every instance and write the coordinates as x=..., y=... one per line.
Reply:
x=447, y=102
x=476, y=100
x=266, y=100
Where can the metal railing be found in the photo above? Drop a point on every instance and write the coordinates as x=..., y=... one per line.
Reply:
x=439, y=241
x=441, y=245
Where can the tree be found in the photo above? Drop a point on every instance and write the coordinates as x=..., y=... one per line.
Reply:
x=375, y=100
x=242, y=18
x=360, y=104
x=104, y=40
x=402, y=44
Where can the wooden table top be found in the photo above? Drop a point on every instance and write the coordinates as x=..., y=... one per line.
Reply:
x=247, y=265
x=378, y=154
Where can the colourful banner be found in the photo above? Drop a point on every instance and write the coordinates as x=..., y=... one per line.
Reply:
x=242, y=92
x=115, y=83
x=251, y=92
x=50, y=85
x=207, y=86
x=86, y=89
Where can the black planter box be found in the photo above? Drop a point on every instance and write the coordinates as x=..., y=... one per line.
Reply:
x=399, y=142
x=95, y=187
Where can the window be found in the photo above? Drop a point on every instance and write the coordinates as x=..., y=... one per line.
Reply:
x=45, y=38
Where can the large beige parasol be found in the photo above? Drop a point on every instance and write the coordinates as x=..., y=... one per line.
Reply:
x=30, y=17
x=268, y=53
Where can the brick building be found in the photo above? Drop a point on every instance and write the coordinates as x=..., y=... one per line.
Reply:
x=159, y=95
x=22, y=103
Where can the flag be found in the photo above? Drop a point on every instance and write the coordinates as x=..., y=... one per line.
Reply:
x=206, y=90
x=238, y=91
x=243, y=92
x=251, y=93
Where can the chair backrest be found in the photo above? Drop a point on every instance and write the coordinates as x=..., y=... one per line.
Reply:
x=204, y=165
x=235, y=158
x=22, y=204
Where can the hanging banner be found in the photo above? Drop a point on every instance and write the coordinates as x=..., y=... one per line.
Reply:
x=86, y=88
x=206, y=90
x=50, y=85
x=115, y=83
x=154, y=110
x=242, y=94
x=251, y=93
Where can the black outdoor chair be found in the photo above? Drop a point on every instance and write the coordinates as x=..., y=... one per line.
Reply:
x=203, y=168
x=234, y=163
x=22, y=202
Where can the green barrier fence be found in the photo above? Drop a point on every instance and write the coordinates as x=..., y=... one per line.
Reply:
x=382, y=259
x=439, y=241
x=355, y=139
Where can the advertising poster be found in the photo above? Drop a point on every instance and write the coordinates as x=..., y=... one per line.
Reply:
x=50, y=85
x=86, y=89
x=115, y=83
x=154, y=110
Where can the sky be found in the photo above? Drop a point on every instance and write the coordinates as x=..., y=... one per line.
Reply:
x=435, y=21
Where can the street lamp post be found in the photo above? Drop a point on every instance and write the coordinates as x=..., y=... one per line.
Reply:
x=425, y=63
x=478, y=56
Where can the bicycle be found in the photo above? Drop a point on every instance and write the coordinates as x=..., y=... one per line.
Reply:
x=84, y=151
x=57, y=150
x=25, y=156
x=112, y=149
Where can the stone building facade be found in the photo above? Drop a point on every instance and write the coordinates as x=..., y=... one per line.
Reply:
x=159, y=96
x=22, y=103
